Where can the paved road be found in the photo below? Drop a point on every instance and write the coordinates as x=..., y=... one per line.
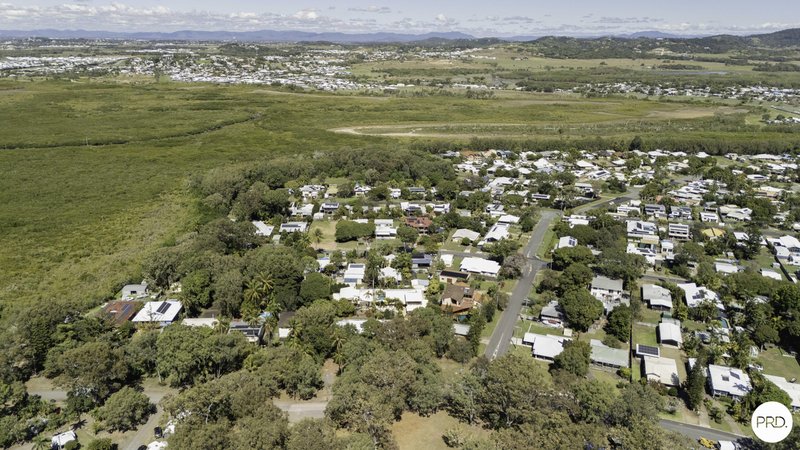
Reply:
x=695, y=432
x=501, y=338
x=143, y=435
x=298, y=411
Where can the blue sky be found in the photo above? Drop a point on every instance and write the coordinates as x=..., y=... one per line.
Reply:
x=480, y=18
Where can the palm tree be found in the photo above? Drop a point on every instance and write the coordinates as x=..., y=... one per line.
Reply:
x=270, y=325
x=258, y=290
x=222, y=326
x=318, y=235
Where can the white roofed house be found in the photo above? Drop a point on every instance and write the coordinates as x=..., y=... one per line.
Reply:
x=262, y=229
x=695, y=295
x=498, y=232
x=669, y=332
x=463, y=233
x=679, y=231
x=61, y=440
x=293, y=227
x=640, y=228
x=566, y=242
x=786, y=248
x=312, y=191
x=162, y=313
x=661, y=370
x=791, y=388
x=480, y=266
x=657, y=297
x=134, y=291
x=545, y=346
x=609, y=292
x=385, y=229
x=411, y=299
x=728, y=381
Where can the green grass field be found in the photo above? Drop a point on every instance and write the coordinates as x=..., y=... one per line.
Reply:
x=775, y=363
x=94, y=175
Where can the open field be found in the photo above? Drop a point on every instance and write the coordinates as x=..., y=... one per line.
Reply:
x=77, y=219
x=414, y=431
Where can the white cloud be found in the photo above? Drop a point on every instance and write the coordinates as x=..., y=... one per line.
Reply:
x=372, y=9
x=306, y=14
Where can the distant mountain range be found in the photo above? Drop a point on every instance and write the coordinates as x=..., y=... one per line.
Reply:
x=785, y=38
x=245, y=36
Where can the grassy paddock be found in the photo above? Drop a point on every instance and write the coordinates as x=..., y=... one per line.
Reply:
x=77, y=219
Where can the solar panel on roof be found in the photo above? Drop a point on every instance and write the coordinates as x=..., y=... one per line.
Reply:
x=648, y=350
x=163, y=308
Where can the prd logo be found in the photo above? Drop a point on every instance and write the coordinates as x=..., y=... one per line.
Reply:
x=772, y=422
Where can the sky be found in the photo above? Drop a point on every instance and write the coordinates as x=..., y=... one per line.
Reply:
x=479, y=18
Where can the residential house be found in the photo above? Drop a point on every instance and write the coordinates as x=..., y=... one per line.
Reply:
x=657, y=297
x=453, y=277
x=410, y=299
x=551, y=315
x=669, y=332
x=709, y=217
x=134, y=291
x=457, y=299
x=640, y=228
x=385, y=229
x=728, y=381
x=120, y=311
x=545, y=346
x=498, y=232
x=480, y=266
x=695, y=295
x=329, y=208
x=306, y=210
x=162, y=313
x=679, y=231
x=262, y=229
x=421, y=260
x=609, y=292
x=725, y=267
x=786, y=248
x=566, y=242
x=312, y=191
x=463, y=233
x=661, y=370
x=667, y=250
x=200, y=322
x=293, y=227
x=60, y=441
x=254, y=333
x=604, y=356
x=354, y=274
x=680, y=213
x=361, y=190
x=791, y=388
x=656, y=211
x=421, y=224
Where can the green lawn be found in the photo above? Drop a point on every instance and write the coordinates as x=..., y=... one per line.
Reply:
x=644, y=335
x=776, y=364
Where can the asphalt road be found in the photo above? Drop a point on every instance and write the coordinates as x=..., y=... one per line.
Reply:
x=501, y=338
x=695, y=432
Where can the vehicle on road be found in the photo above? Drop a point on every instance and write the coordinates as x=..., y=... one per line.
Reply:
x=707, y=443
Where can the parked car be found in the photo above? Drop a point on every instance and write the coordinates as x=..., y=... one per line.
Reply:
x=707, y=443
x=158, y=432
